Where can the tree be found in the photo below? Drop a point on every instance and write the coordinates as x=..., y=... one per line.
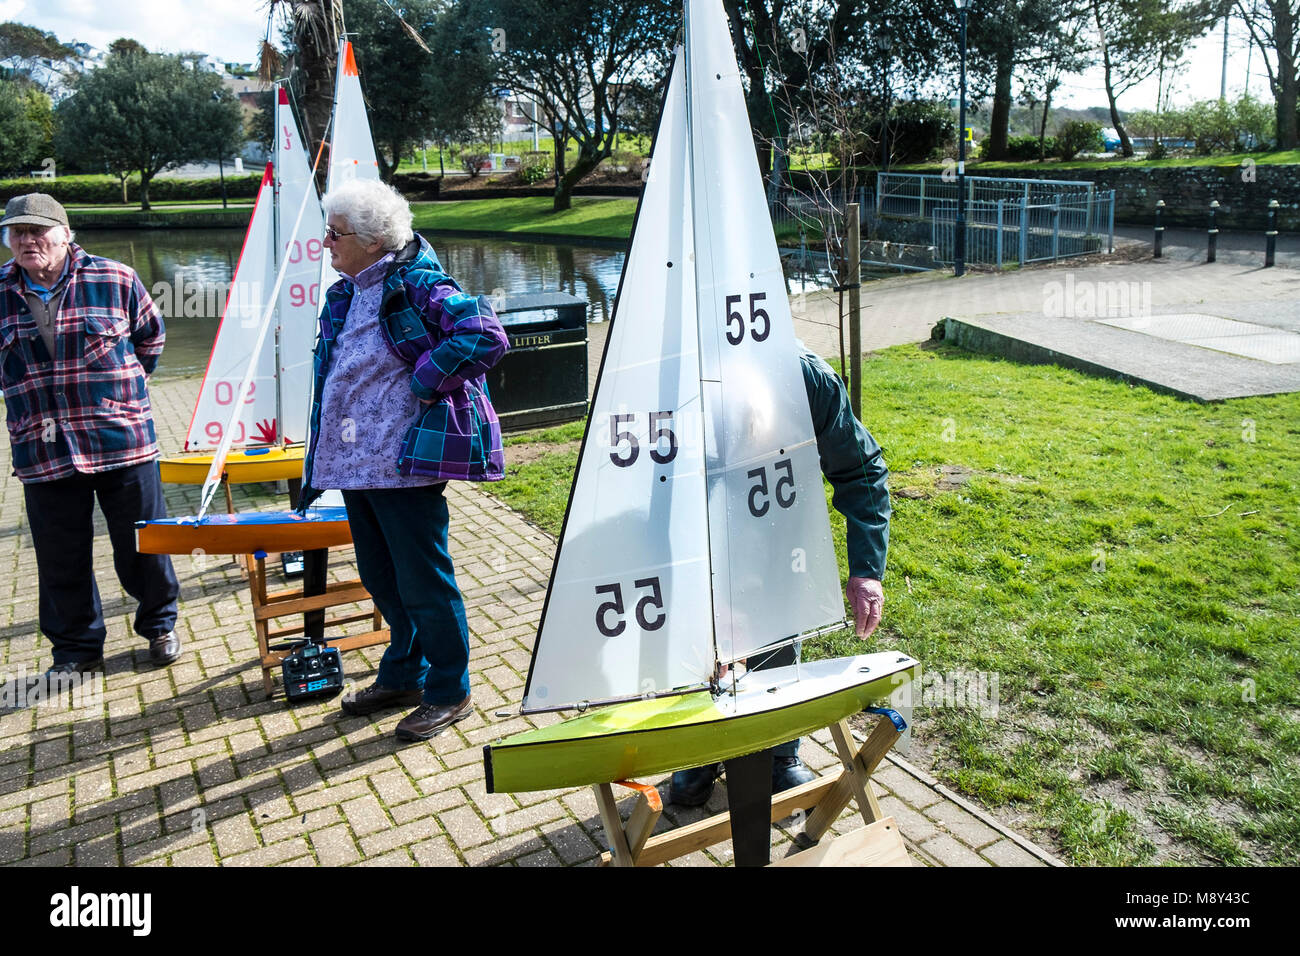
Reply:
x=24, y=126
x=24, y=42
x=312, y=35
x=1275, y=30
x=126, y=46
x=575, y=58
x=423, y=70
x=144, y=113
x=1007, y=35
x=1135, y=36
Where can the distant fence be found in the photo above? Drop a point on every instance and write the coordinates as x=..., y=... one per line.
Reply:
x=1001, y=232
x=1007, y=220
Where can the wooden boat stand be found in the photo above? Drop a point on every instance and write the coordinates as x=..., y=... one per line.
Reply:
x=754, y=809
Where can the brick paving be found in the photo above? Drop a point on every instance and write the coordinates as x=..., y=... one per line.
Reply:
x=190, y=765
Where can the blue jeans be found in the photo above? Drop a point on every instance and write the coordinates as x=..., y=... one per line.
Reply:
x=60, y=514
x=400, y=536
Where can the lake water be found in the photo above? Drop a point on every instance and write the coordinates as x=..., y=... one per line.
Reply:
x=184, y=268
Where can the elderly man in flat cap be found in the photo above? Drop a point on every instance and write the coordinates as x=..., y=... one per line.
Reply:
x=78, y=337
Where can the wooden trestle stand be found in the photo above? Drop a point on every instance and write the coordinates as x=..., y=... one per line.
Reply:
x=823, y=799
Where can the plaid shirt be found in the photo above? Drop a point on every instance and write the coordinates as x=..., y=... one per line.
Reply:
x=450, y=340
x=86, y=408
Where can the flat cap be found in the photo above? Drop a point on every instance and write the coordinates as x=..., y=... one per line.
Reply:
x=37, y=209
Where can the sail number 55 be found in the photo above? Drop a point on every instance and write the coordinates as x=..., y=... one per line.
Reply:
x=609, y=615
x=659, y=432
x=760, y=324
x=784, y=489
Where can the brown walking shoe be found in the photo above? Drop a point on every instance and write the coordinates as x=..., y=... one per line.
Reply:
x=429, y=720
x=375, y=698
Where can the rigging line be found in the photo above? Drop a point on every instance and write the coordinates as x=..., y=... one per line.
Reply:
x=753, y=25
x=219, y=456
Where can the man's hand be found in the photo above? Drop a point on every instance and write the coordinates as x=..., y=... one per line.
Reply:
x=867, y=596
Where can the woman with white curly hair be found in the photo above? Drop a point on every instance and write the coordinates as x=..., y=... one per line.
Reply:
x=399, y=406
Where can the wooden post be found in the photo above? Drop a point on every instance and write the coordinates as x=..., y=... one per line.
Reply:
x=854, y=283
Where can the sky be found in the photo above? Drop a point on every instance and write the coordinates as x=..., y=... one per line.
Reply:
x=233, y=29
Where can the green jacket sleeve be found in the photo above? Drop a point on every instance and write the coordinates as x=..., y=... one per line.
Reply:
x=853, y=463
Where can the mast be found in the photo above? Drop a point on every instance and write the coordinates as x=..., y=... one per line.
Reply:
x=277, y=199
x=699, y=327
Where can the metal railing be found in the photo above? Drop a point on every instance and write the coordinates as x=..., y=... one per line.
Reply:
x=999, y=231
x=791, y=210
x=915, y=195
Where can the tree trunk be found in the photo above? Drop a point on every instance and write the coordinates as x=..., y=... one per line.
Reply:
x=584, y=164
x=145, y=177
x=1042, y=130
x=1286, y=81
x=1126, y=147
x=563, y=197
x=1001, y=118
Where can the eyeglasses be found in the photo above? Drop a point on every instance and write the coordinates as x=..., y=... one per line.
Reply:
x=334, y=234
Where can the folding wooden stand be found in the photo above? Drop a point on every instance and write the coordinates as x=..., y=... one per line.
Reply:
x=823, y=799
x=269, y=606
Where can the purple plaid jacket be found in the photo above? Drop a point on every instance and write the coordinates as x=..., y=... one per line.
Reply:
x=85, y=408
x=450, y=340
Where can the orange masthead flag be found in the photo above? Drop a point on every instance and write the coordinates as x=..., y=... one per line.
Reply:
x=349, y=61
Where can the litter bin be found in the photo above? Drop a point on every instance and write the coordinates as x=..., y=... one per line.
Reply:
x=542, y=380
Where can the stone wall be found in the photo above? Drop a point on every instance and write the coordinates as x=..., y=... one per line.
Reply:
x=1243, y=192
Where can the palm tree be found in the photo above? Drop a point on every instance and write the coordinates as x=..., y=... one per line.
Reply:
x=315, y=29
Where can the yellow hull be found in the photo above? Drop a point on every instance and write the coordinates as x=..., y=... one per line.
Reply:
x=243, y=466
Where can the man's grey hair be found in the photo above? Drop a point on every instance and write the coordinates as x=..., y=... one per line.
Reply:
x=374, y=211
x=4, y=234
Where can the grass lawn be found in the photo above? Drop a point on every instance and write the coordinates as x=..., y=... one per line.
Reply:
x=599, y=218
x=1124, y=562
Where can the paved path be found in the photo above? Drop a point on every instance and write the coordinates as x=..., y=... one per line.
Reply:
x=189, y=765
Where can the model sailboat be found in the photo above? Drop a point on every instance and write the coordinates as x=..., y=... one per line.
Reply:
x=254, y=394
x=697, y=531
x=271, y=423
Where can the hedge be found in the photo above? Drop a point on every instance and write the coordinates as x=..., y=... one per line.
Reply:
x=104, y=191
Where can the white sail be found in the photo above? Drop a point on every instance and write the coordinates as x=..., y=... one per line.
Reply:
x=351, y=150
x=231, y=351
x=774, y=568
x=299, y=303
x=629, y=604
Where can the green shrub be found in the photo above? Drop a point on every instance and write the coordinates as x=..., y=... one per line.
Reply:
x=1078, y=136
x=106, y=190
x=1022, y=147
x=534, y=167
x=918, y=131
